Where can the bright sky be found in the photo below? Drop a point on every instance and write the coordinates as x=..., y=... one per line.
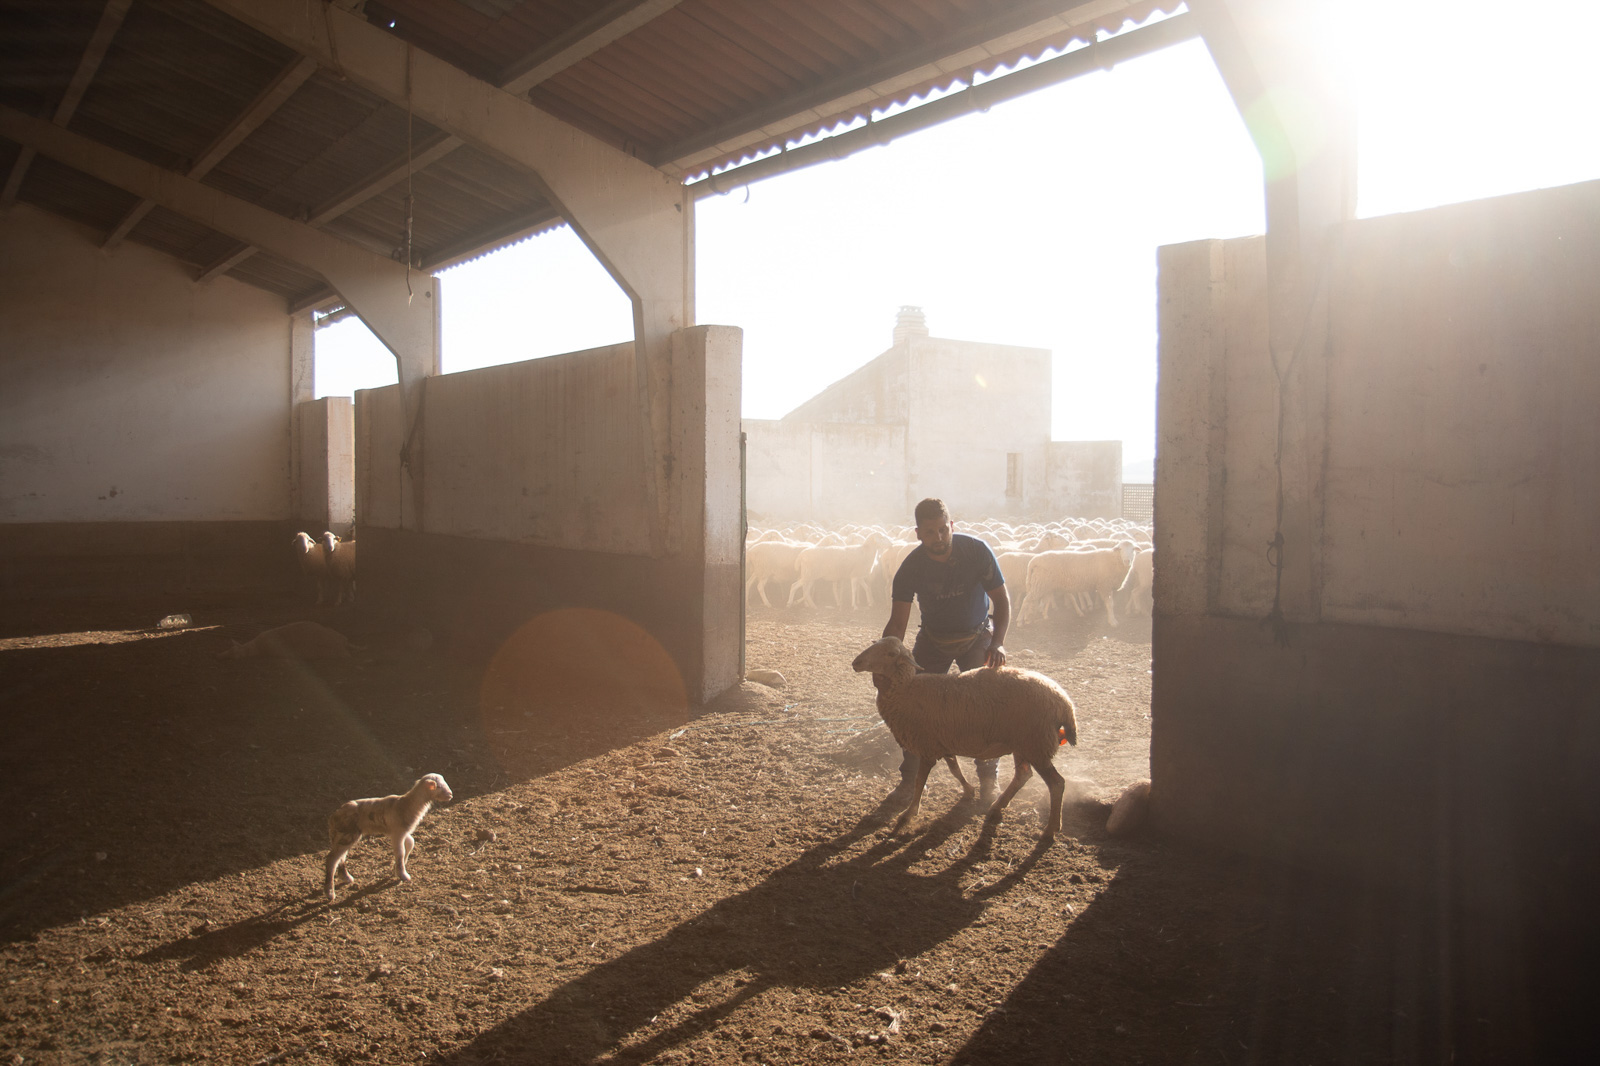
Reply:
x=1037, y=223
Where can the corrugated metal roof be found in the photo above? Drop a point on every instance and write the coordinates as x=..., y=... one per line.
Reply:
x=688, y=86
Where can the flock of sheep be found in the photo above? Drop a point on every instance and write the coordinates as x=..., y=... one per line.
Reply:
x=1076, y=562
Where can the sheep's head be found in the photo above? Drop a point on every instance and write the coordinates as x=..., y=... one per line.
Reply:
x=437, y=790
x=303, y=543
x=330, y=542
x=888, y=657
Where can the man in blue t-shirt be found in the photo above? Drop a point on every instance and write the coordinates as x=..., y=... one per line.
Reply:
x=954, y=578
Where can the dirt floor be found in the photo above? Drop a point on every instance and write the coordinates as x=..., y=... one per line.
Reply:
x=620, y=880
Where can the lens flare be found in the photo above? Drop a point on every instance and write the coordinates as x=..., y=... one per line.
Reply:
x=575, y=666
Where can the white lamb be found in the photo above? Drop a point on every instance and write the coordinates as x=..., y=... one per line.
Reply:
x=1073, y=573
x=838, y=564
x=392, y=816
x=309, y=554
x=339, y=556
x=981, y=713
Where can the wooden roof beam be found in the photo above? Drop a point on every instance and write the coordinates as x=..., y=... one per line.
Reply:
x=261, y=108
x=111, y=17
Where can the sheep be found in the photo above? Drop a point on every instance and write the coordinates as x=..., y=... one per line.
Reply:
x=309, y=553
x=982, y=713
x=339, y=556
x=771, y=560
x=297, y=640
x=1099, y=572
x=393, y=816
x=1131, y=810
x=1136, y=588
x=837, y=563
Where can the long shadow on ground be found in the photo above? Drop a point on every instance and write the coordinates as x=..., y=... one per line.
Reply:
x=128, y=770
x=818, y=923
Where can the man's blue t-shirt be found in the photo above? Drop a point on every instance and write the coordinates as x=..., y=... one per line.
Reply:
x=950, y=593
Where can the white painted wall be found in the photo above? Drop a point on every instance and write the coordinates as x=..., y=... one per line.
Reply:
x=547, y=451
x=1462, y=444
x=128, y=392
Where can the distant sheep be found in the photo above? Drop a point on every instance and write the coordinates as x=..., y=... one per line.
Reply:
x=297, y=640
x=1136, y=588
x=1073, y=573
x=1131, y=810
x=392, y=816
x=838, y=564
x=768, y=561
x=981, y=713
x=309, y=554
x=339, y=557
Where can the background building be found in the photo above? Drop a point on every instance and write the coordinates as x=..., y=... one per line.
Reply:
x=966, y=421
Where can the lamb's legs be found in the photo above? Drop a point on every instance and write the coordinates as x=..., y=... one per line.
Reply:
x=925, y=766
x=336, y=864
x=402, y=848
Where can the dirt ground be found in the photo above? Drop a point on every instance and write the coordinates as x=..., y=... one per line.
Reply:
x=622, y=880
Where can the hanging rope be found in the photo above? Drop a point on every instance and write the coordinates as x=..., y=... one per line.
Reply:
x=1275, y=619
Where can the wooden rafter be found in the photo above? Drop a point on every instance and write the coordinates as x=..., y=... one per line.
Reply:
x=261, y=108
x=111, y=17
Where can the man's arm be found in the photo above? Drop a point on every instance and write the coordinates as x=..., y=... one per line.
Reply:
x=1000, y=600
x=899, y=618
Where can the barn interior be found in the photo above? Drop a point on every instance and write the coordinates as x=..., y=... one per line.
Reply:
x=1376, y=613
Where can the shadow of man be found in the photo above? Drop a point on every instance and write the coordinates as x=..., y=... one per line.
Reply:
x=820, y=922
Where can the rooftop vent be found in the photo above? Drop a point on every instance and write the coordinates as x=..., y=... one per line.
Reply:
x=911, y=322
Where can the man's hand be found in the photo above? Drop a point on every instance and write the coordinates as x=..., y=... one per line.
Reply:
x=997, y=657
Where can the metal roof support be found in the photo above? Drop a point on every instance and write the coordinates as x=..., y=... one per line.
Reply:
x=401, y=309
x=1268, y=53
x=99, y=43
x=634, y=219
x=1062, y=68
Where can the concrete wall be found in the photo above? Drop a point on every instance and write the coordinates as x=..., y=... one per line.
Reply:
x=324, y=465
x=533, y=498
x=1083, y=479
x=829, y=471
x=128, y=394
x=1431, y=719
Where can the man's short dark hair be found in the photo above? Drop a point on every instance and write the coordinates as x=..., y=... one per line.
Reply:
x=930, y=509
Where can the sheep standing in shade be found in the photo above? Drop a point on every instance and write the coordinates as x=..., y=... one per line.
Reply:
x=395, y=817
x=309, y=554
x=339, y=557
x=983, y=714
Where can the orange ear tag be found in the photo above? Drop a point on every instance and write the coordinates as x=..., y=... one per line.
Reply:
x=1061, y=734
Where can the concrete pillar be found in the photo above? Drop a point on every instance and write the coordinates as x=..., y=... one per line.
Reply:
x=324, y=475
x=707, y=516
x=302, y=371
x=1274, y=58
